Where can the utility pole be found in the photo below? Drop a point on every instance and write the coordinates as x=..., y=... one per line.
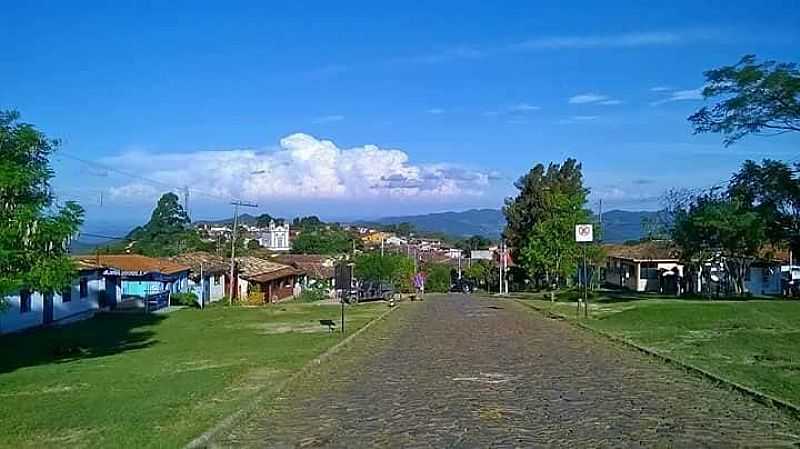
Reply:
x=600, y=234
x=500, y=287
x=186, y=199
x=236, y=205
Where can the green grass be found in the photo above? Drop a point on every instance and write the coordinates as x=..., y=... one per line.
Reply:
x=147, y=381
x=755, y=343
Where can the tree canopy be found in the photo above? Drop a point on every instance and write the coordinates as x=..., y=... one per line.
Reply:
x=395, y=268
x=167, y=233
x=541, y=220
x=755, y=98
x=718, y=227
x=34, y=231
x=322, y=241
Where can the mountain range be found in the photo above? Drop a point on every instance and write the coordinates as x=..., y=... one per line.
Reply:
x=618, y=225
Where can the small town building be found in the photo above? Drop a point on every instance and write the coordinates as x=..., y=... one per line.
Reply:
x=208, y=277
x=82, y=299
x=644, y=267
x=276, y=237
x=481, y=254
x=376, y=237
x=142, y=276
x=262, y=281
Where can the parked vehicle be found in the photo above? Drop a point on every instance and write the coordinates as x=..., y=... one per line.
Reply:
x=462, y=286
x=373, y=291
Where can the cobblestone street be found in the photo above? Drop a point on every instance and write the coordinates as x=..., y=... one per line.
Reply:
x=462, y=372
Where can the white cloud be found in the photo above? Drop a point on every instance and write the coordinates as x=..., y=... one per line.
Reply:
x=516, y=109
x=661, y=89
x=577, y=119
x=623, y=40
x=436, y=111
x=328, y=119
x=524, y=107
x=592, y=98
x=303, y=167
x=681, y=95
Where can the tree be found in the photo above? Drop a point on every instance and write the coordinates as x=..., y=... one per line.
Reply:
x=717, y=227
x=167, y=233
x=438, y=278
x=34, y=232
x=480, y=272
x=322, y=241
x=394, y=268
x=757, y=98
x=772, y=190
x=309, y=223
x=474, y=242
x=263, y=220
x=541, y=220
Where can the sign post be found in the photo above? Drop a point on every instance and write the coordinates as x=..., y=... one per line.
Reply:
x=584, y=234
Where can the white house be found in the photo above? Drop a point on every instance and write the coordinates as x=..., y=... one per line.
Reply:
x=276, y=237
x=645, y=267
x=208, y=276
x=454, y=253
x=85, y=296
x=395, y=241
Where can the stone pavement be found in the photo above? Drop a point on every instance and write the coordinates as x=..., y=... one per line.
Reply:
x=462, y=372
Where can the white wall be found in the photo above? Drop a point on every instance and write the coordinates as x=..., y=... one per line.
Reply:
x=96, y=286
x=12, y=319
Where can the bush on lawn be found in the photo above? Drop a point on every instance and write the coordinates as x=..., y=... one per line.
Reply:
x=184, y=299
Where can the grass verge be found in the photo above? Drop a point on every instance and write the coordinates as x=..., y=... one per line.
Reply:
x=146, y=381
x=754, y=343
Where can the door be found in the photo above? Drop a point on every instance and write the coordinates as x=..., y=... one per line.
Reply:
x=47, y=308
x=110, y=294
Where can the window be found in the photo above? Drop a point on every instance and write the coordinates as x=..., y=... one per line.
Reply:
x=66, y=295
x=649, y=271
x=84, y=288
x=216, y=280
x=24, y=301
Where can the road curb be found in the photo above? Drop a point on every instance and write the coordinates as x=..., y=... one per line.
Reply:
x=202, y=441
x=759, y=396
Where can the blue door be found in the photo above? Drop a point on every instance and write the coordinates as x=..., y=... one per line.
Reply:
x=47, y=309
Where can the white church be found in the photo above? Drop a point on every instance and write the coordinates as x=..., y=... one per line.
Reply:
x=276, y=237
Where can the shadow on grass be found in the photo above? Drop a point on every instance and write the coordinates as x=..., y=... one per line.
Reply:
x=105, y=334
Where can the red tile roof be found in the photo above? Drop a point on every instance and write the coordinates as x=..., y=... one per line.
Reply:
x=134, y=263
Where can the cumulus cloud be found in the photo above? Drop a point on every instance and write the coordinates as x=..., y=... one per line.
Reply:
x=303, y=167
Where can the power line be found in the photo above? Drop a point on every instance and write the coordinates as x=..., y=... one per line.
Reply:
x=144, y=178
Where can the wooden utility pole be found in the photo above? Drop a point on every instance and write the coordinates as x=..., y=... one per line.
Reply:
x=236, y=205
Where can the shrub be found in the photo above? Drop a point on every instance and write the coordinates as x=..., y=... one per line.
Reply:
x=184, y=299
x=438, y=279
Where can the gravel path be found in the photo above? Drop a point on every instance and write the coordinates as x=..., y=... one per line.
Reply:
x=461, y=372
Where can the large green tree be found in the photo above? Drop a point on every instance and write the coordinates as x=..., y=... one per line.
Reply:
x=754, y=98
x=395, y=268
x=34, y=231
x=541, y=220
x=168, y=232
x=717, y=227
x=322, y=241
x=771, y=189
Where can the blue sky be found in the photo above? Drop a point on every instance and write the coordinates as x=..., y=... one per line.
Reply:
x=360, y=109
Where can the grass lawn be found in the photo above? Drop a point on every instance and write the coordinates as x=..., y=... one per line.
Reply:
x=755, y=343
x=147, y=381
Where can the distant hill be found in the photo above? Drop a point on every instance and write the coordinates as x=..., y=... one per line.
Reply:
x=485, y=222
x=243, y=219
x=618, y=225
x=622, y=225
